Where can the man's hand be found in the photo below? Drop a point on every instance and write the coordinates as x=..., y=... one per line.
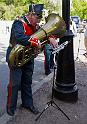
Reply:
x=53, y=42
x=35, y=42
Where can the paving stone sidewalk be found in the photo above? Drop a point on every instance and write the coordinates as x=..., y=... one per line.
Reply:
x=77, y=111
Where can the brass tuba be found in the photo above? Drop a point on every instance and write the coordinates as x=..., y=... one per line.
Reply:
x=20, y=54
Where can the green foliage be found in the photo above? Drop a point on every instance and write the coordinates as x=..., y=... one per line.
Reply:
x=10, y=9
x=2, y=10
x=80, y=8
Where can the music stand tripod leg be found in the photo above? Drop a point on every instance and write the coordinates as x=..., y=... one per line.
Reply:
x=51, y=102
x=78, y=48
x=77, y=58
x=47, y=106
x=61, y=110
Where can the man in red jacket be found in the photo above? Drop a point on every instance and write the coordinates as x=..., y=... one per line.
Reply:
x=22, y=28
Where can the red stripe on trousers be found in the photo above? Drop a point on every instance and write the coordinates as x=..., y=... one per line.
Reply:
x=10, y=92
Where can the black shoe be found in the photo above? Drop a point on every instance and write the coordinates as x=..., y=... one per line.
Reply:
x=85, y=54
x=32, y=109
x=10, y=112
x=47, y=73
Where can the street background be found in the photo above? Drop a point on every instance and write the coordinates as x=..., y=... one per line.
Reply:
x=39, y=75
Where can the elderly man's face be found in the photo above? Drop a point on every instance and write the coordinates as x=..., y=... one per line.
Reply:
x=33, y=19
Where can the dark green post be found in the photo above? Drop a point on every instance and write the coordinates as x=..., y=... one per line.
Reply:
x=65, y=87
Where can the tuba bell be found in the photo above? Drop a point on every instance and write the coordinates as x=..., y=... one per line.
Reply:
x=20, y=54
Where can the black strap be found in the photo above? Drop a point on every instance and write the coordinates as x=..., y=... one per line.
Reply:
x=46, y=38
x=27, y=21
x=45, y=32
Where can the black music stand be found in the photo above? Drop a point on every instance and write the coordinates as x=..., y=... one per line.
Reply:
x=77, y=58
x=51, y=102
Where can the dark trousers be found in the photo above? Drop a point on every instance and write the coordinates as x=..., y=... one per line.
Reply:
x=49, y=58
x=20, y=77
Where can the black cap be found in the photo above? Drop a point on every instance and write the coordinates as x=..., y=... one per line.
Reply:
x=36, y=8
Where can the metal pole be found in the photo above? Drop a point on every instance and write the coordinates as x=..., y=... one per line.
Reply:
x=65, y=86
